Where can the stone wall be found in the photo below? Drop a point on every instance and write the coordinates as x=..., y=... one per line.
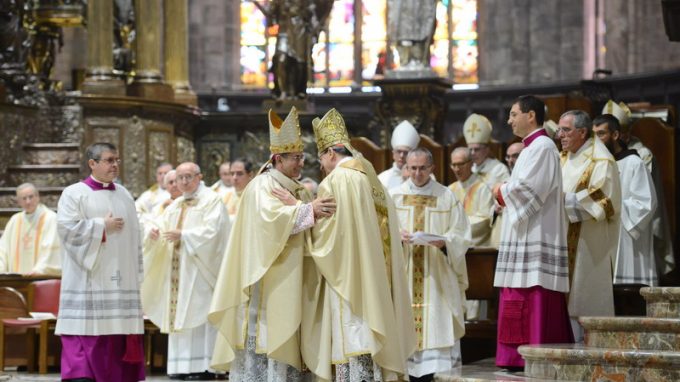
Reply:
x=530, y=41
x=636, y=41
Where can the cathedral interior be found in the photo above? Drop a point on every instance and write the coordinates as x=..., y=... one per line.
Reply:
x=192, y=80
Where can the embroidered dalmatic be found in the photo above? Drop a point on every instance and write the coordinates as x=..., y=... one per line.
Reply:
x=491, y=172
x=392, y=177
x=593, y=202
x=101, y=274
x=180, y=278
x=635, y=254
x=437, y=278
x=477, y=202
x=30, y=243
x=257, y=306
x=357, y=312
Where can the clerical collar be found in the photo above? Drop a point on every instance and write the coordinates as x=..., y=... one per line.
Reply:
x=193, y=195
x=534, y=134
x=96, y=185
x=424, y=189
x=395, y=168
x=343, y=160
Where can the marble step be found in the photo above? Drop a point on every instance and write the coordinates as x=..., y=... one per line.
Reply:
x=662, y=302
x=51, y=153
x=49, y=196
x=50, y=175
x=573, y=362
x=485, y=370
x=632, y=333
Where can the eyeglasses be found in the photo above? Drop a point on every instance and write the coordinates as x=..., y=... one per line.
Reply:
x=186, y=178
x=109, y=161
x=295, y=158
x=459, y=164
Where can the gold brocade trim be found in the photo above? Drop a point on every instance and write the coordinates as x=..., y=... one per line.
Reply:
x=574, y=229
x=174, y=270
x=287, y=148
x=330, y=130
x=600, y=198
x=420, y=203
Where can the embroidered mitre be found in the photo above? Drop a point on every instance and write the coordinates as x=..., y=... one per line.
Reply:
x=477, y=129
x=330, y=130
x=621, y=112
x=284, y=135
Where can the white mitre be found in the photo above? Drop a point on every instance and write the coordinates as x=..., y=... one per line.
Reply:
x=620, y=111
x=550, y=127
x=477, y=129
x=405, y=135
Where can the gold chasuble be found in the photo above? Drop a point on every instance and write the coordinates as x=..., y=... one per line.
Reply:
x=358, y=260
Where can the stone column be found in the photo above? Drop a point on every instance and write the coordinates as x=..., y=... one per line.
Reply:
x=99, y=77
x=176, y=50
x=148, y=82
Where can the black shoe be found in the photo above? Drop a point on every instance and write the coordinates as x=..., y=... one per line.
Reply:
x=514, y=369
x=204, y=376
x=177, y=377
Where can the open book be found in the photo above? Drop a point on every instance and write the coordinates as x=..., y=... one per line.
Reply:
x=423, y=238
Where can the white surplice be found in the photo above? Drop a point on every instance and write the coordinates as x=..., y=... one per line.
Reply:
x=30, y=243
x=440, y=278
x=533, y=246
x=100, y=278
x=179, y=280
x=593, y=202
x=148, y=201
x=635, y=255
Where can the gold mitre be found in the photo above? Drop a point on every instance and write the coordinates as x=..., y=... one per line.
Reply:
x=330, y=130
x=284, y=136
x=621, y=112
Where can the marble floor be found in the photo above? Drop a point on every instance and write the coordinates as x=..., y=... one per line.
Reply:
x=54, y=377
x=483, y=371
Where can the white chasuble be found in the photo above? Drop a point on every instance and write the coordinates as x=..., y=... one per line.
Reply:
x=593, y=201
x=437, y=278
x=478, y=203
x=30, y=244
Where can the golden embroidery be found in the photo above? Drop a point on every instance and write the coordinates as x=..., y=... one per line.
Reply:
x=419, y=202
x=574, y=230
x=330, y=130
x=600, y=198
x=174, y=272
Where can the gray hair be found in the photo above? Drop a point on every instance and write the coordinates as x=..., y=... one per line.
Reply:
x=581, y=120
x=24, y=186
x=418, y=151
x=464, y=150
x=167, y=174
x=95, y=150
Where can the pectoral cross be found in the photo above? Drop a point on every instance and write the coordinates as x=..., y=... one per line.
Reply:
x=117, y=278
x=418, y=304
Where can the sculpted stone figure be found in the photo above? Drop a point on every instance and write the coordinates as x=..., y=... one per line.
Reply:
x=411, y=25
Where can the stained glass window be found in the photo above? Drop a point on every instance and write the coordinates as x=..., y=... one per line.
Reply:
x=454, y=49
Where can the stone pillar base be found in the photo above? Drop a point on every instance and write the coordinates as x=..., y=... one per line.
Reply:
x=109, y=87
x=186, y=97
x=157, y=91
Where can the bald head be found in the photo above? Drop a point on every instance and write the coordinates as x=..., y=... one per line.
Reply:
x=512, y=153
